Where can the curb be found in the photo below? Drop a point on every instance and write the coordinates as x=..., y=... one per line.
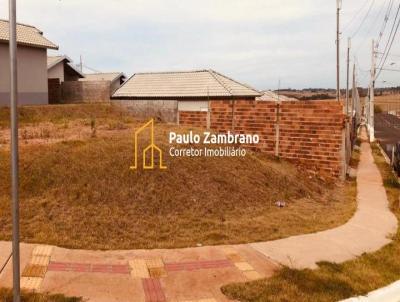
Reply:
x=390, y=293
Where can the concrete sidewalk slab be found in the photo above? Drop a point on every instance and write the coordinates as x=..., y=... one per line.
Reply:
x=367, y=231
x=94, y=286
x=199, y=285
x=7, y=274
x=5, y=252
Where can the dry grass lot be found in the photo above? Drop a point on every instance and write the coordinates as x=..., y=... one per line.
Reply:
x=332, y=282
x=6, y=296
x=77, y=191
x=389, y=102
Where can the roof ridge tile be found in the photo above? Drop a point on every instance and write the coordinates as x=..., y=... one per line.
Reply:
x=171, y=84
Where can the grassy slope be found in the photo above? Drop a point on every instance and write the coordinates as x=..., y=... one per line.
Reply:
x=81, y=194
x=6, y=296
x=59, y=114
x=332, y=282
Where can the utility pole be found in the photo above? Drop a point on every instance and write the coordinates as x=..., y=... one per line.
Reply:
x=372, y=96
x=347, y=78
x=338, y=8
x=14, y=148
x=81, y=63
x=354, y=94
x=277, y=126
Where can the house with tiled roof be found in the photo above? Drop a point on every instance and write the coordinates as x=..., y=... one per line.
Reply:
x=198, y=84
x=181, y=92
x=116, y=79
x=32, y=48
x=63, y=69
x=60, y=69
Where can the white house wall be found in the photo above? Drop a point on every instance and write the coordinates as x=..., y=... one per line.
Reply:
x=56, y=72
x=192, y=105
x=32, y=75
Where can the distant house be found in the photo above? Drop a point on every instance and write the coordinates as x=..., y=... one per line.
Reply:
x=115, y=78
x=271, y=96
x=165, y=93
x=61, y=68
x=32, y=64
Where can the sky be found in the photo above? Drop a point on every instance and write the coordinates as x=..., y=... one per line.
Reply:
x=261, y=43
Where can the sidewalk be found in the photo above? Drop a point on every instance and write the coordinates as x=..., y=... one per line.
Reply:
x=196, y=274
x=365, y=232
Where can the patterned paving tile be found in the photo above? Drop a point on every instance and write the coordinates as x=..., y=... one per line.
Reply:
x=69, y=267
x=235, y=257
x=109, y=269
x=157, y=272
x=88, y=268
x=139, y=268
x=31, y=283
x=40, y=260
x=32, y=270
x=153, y=290
x=252, y=275
x=197, y=265
x=244, y=266
x=154, y=263
x=42, y=250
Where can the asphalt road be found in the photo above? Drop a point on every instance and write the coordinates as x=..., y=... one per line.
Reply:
x=387, y=131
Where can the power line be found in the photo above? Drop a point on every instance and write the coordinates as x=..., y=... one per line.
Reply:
x=91, y=69
x=388, y=11
x=355, y=15
x=377, y=18
x=365, y=18
x=373, y=25
x=390, y=55
x=391, y=32
x=388, y=69
x=389, y=43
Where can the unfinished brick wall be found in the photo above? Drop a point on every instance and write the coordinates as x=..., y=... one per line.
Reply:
x=189, y=118
x=85, y=91
x=250, y=117
x=310, y=132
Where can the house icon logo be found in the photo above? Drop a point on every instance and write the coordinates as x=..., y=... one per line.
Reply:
x=150, y=148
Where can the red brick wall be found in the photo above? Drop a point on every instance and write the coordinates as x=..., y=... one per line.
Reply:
x=310, y=131
x=250, y=117
x=193, y=118
x=311, y=134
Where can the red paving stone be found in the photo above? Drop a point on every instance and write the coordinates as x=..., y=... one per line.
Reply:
x=197, y=265
x=153, y=290
x=88, y=268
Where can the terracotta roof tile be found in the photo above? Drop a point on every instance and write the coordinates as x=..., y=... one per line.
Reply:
x=26, y=35
x=198, y=83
